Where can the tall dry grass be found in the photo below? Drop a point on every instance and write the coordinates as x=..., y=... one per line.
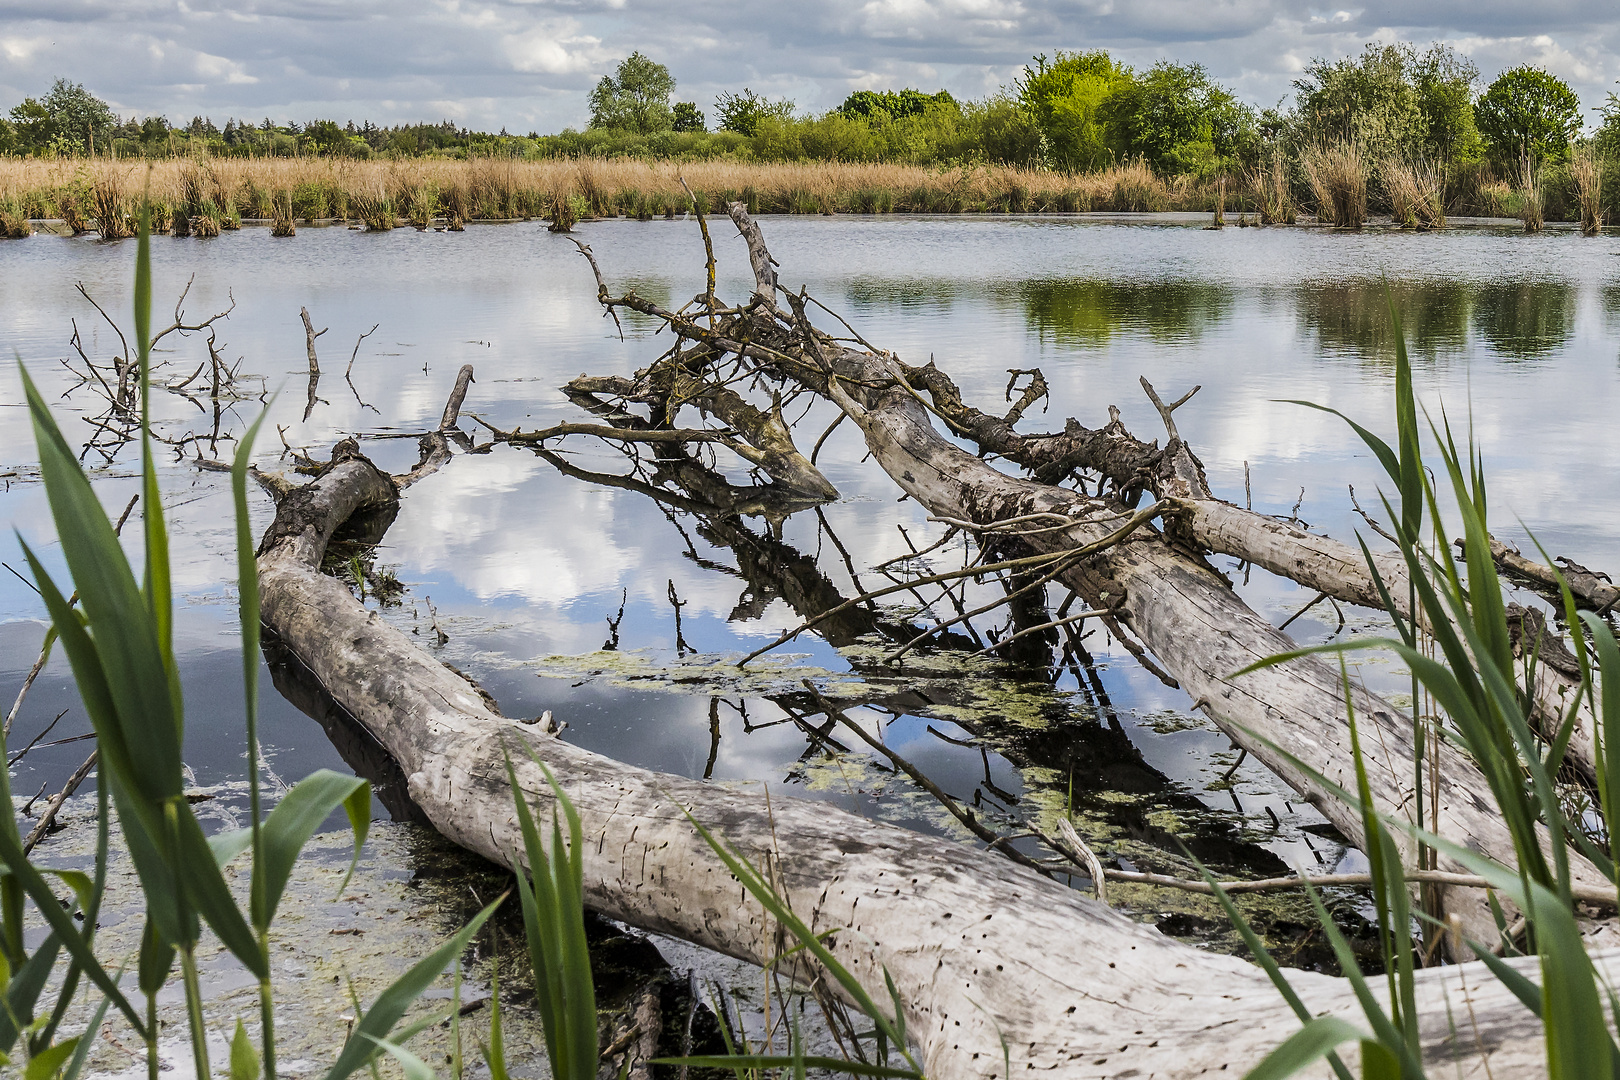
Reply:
x=1273, y=194
x=1587, y=172
x=455, y=192
x=1337, y=176
x=1416, y=193
x=1530, y=209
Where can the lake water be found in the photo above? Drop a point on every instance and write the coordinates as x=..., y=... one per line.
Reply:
x=522, y=567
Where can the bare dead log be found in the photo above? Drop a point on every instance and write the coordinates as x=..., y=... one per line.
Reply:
x=1183, y=611
x=981, y=950
x=1590, y=588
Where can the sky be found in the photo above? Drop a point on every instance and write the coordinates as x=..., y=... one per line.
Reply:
x=528, y=64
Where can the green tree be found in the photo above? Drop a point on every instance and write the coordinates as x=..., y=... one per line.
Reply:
x=1527, y=112
x=1066, y=98
x=68, y=115
x=1445, y=80
x=1607, y=137
x=1177, y=118
x=688, y=117
x=894, y=104
x=743, y=112
x=1371, y=100
x=635, y=98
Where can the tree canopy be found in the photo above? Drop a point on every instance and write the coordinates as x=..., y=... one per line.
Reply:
x=1528, y=112
x=1392, y=101
x=743, y=112
x=68, y=119
x=635, y=98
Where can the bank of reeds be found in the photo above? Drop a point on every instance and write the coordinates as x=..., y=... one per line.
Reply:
x=1416, y=193
x=455, y=192
x=1273, y=194
x=14, y=223
x=1530, y=208
x=110, y=207
x=1337, y=177
x=1587, y=172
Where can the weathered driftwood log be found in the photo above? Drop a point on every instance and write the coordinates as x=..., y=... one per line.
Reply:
x=1182, y=610
x=985, y=954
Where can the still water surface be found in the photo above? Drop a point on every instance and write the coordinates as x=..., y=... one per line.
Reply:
x=520, y=565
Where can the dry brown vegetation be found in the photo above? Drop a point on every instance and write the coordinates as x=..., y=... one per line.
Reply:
x=1416, y=192
x=226, y=190
x=1337, y=175
x=1587, y=172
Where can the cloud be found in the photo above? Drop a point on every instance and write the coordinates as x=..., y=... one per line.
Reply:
x=528, y=64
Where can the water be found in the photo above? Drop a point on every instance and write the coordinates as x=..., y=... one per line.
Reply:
x=523, y=567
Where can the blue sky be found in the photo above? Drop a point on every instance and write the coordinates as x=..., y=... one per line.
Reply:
x=528, y=64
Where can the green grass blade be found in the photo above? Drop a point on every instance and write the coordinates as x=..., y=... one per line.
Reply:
x=288, y=828
x=413, y=1067
x=206, y=891
x=43, y=1065
x=1319, y=1037
x=391, y=1004
x=22, y=992
x=126, y=640
x=244, y=1059
x=81, y=1053
x=1528, y=993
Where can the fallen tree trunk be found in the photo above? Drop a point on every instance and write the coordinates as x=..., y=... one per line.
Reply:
x=985, y=955
x=1181, y=609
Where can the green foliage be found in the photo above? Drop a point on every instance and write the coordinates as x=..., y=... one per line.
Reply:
x=743, y=112
x=67, y=119
x=894, y=104
x=1177, y=119
x=635, y=98
x=685, y=117
x=1067, y=97
x=1528, y=112
x=1392, y=101
x=553, y=904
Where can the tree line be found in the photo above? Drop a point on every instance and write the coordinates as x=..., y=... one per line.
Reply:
x=1072, y=111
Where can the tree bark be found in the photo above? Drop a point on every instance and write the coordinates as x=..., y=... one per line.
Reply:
x=984, y=953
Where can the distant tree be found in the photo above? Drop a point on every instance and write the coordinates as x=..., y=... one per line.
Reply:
x=68, y=117
x=635, y=98
x=1371, y=100
x=1177, y=118
x=1607, y=137
x=1445, y=91
x=687, y=117
x=1066, y=97
x=327, y=137
x=743, y=112
x=894, y=104
x=1527, y=112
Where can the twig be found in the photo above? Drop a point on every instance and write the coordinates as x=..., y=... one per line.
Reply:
x=1377, y=528
x=1081, y=617
x=35, y=740
x=1166, y=411
x=310, y=334
x=1599, y=896
x=1321, y=596
x=1094, y=864
x=602, y=294
x=48, y=818
x=350, y=369
x=989, y=836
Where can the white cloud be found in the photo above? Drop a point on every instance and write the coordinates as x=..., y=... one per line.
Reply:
x=529, y=63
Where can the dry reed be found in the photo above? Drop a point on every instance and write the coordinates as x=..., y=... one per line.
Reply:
x=504, y=189
x=1530, y=211
x=111, y=209
x=1273, y=194
x=281, y=223
x=1416, y=193
x=1587, y=173
x=67, y=205
x=1337, y=175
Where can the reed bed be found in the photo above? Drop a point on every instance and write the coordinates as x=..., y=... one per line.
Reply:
x=1530, y=209
x=1587, y=172
x=1337, y=176
x=1416, y=193
x=454, y=192
x=1273, y=194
